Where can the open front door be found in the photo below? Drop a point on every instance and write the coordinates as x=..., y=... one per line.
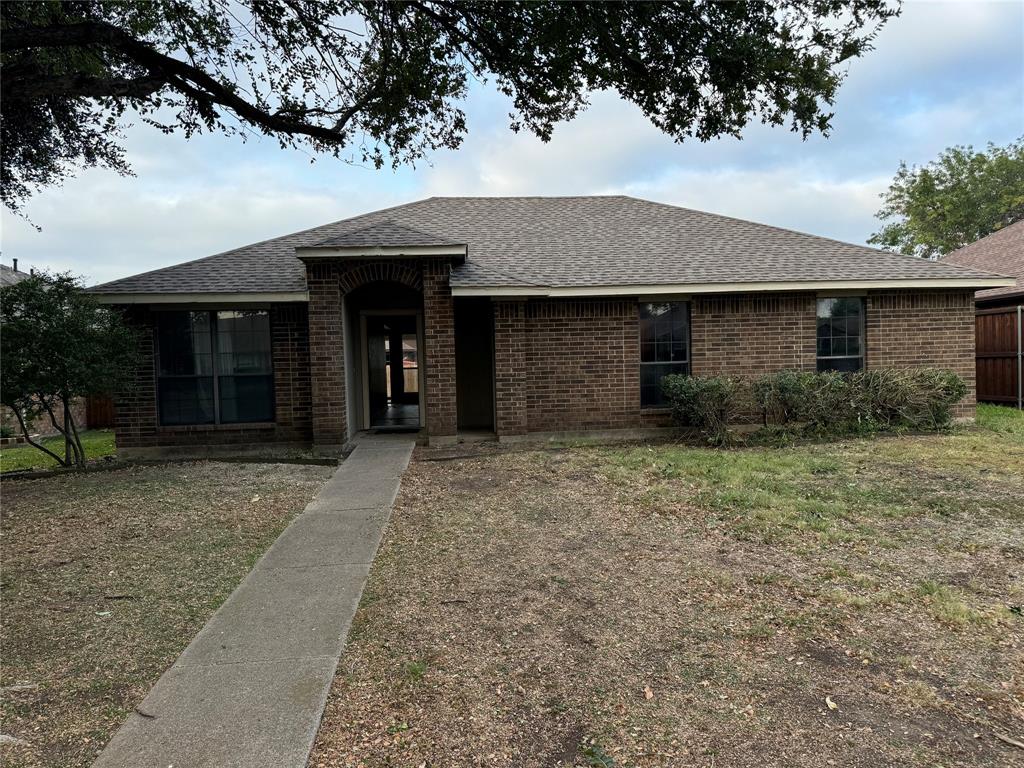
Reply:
x=392, y=375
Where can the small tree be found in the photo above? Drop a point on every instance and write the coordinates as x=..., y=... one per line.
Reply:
x=57, y=344
x=952, y=201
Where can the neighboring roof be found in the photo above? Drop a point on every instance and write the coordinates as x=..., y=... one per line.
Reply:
x=518, y=243
x=1001, y=252
x=10, y=276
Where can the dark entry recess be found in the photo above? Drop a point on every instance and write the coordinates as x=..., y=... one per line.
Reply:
x=392, y=359
x=474, y=364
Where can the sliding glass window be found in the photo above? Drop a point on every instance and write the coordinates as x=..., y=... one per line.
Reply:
x=664, y=347
x=214, y=367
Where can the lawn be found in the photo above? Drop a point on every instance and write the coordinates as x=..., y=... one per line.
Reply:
x=96, y=442
x=857, y=603
x=107, y=576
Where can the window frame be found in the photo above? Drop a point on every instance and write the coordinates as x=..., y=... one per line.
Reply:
x=214, y=335
x=685, y=364
x=862, y=336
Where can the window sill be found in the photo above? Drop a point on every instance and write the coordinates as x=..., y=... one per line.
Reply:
x=247, y=425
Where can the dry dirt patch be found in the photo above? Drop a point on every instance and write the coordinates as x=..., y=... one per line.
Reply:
x=854, y=604
x=107, y=577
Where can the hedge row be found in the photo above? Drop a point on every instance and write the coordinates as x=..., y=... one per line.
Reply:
x=821, y=403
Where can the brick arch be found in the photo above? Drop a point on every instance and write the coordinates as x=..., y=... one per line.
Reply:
x=380, y=271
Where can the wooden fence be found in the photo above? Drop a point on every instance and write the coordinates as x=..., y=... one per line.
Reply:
x=99, y=412
x=998, y=355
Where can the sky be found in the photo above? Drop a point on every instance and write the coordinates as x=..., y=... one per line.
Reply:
x=941, y=74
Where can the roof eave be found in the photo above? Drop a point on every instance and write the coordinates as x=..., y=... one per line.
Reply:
x=655, y=289
x=219, y=298
x=456, y=252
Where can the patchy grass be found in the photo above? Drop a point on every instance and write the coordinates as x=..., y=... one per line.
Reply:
x=1007, y=422
x=106, y=578
x=96, y=442
x=856, y=603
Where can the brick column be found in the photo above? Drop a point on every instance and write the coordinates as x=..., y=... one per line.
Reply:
x=135, y=410
x=510, y=367
x=439, y=340
x=326, y=355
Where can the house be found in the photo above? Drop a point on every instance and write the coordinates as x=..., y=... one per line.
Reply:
x=1000, y=314
x=521, y=317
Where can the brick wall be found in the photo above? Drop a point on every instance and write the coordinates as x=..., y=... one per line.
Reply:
x=136, y=422
x=567, y=365
x=582, y=365
x=932, y=329
x=439, y=348
x=751, y=334
x=326, y=354
x=510, y=372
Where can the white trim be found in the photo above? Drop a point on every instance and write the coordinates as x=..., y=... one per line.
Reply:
x=379, y=251
x=199, y=298
x=751, y=287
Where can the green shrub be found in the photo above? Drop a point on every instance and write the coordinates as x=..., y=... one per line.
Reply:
x=836, y=403
x=914, y=399
x=708, y=403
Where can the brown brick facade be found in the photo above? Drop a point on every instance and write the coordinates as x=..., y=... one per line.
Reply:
x=439, y=351
x=136, y=421
x=560, y=365
x=574, y=364
x=934, y=329
x=327, y=354
x=510, y=373
x=752, y=334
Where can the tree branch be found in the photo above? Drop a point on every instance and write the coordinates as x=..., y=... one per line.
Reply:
x=39, y=86
x=190, y=79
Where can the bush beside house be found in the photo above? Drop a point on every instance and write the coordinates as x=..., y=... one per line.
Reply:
x=827, y=403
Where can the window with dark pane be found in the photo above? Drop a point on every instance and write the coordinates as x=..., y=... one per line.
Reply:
x=185, y=383
x=664, y=347
x=244, y=374
x=841, y=334
x=214, y=367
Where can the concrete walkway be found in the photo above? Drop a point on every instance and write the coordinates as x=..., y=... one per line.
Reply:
x=251, y=687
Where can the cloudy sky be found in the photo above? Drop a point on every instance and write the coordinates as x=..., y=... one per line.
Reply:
x=941, y=74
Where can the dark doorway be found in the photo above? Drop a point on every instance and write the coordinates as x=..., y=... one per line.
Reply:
x=474, y=364
x=392, y=371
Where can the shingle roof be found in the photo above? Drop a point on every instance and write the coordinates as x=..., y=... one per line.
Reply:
x=557, y=242
x=9, y=276
x=1001, y=252
x=385, y=233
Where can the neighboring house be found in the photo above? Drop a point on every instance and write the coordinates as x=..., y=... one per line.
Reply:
x=527, y=316
x=11, y=275
x=1000, y=314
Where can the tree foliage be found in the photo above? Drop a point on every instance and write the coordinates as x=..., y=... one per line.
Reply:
x=56, y=345
x=954, y=200
x=381, y=82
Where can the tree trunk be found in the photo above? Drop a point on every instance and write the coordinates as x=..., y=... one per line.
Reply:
x=29, y=440
x=73, y=433
x=66, y=462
